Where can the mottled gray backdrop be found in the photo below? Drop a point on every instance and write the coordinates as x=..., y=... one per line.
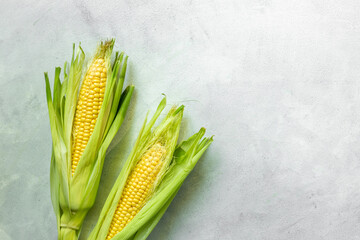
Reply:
x=276, y=82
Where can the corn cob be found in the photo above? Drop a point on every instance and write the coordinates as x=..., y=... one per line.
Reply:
x=138, y=188
x=82, y=127
x=150, y=179
x=87, y=110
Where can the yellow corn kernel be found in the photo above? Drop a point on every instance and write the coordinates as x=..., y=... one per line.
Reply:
x=87, y=109
x=137, y=188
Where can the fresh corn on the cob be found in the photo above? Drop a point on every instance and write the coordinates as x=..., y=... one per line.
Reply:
x=138, y=188
x=82, y=127
x=150, y=179
x=88, y=107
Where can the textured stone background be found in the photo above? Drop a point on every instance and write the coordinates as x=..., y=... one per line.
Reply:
x=276, y=82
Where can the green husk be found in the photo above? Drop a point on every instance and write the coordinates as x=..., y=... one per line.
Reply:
x=73, y=196
x=181, y=160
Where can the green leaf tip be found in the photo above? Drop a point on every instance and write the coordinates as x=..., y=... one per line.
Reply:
x=180, y=109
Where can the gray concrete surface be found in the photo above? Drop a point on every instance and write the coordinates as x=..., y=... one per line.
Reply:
x=276, y=82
